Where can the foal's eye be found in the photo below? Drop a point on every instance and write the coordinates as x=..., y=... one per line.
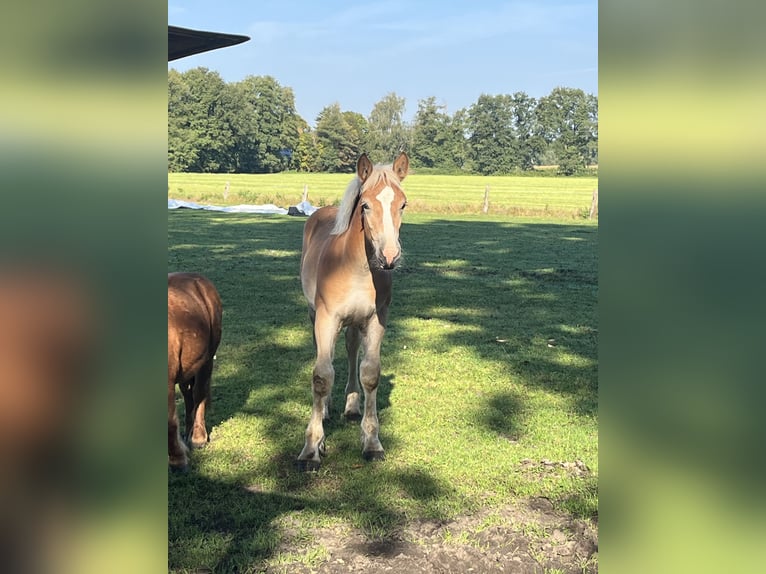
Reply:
x=403, y=206
x=366, y=206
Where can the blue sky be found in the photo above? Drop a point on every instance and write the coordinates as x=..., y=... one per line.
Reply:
x=354, y=53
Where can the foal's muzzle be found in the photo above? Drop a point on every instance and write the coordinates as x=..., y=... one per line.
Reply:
x=388, y=265
x=379, y=261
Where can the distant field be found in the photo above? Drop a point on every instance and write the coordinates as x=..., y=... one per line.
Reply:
x=568, y=197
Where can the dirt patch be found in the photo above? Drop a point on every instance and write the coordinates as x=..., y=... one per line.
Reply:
x=524, y=537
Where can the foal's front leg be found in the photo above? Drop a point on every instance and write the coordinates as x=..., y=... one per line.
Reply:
x=325, y=331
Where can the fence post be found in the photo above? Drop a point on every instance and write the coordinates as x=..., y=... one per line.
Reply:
x=305, y=192
x=486, y=199
x=593, y=204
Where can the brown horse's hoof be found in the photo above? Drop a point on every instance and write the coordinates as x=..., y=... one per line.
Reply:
x=373, y=455
x=352, y=417
x=179, y=469
x=307, y=465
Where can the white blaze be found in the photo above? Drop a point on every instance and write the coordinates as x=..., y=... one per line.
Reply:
x=385, y=197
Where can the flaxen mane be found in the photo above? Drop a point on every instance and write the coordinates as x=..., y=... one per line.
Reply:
x=354, y=190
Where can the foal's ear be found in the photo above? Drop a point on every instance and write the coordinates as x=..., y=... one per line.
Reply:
x=401, y=166
x=363, y=167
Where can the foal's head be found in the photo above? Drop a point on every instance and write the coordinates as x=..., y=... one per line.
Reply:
x=381, y=202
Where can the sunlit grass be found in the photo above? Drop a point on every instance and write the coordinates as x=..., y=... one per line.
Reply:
x=490, y=360
x=568, y=197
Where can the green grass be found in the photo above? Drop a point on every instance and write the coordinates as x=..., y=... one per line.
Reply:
x=567, y=197
x=490, y=358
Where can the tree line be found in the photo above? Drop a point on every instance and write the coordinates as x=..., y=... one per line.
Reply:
x=252, y=126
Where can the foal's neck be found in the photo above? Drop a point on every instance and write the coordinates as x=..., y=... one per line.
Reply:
x=355, y=246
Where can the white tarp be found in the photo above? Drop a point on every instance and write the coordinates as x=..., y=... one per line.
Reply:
x=304, y=207
x=267, y=208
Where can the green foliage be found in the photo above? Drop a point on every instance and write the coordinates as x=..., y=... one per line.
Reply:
x=388, y=134
x=338, y=140
x=308, y=152
x=271, y=126
x=252, y=126
x=437, y=139
x=493, y=145
x=214, y=127
x=568, y=122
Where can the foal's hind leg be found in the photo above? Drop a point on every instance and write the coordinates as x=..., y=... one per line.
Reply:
x=353, y=338
x=198, y=436
x=370, y=376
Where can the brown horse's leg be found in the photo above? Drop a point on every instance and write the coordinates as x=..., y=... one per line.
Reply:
x=326, y=330
x=186, y=391
x=370, y=376
x=176, y=448
x=353, y=338
x=201, y=396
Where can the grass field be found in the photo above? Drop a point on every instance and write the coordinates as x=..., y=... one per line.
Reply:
x=563, y=197
x=488, y=387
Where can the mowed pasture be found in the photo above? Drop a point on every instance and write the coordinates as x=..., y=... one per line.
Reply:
x=488, y=386
x=546, y=196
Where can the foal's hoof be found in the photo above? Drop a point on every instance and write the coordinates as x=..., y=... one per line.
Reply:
x=373, y=455
x=352, y=417
x=307, y=465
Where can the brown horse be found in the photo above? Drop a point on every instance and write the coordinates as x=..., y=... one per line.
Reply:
x=194, y=333
x=346, y=262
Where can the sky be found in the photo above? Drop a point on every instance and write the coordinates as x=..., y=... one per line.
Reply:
x=355, y=53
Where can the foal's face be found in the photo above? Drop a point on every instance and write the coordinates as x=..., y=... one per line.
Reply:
x=381, y=203
x=382, y=209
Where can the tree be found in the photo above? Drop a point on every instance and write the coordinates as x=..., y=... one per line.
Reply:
x=429, y=132
x=272, y=128
x=566, y=123
x=456, y=144
x=438, y=140
x=524, y=124
x=306, y=155
x=199, y=130
x=493, y=145
x=388, y=135
x=336, y=141
x=591, y=103
x=182, y=144
x=252, y=127
x=359, y=131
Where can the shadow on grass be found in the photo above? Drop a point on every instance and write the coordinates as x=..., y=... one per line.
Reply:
x=523, y=295
x=504, y=413
x=230, y=527
x=518, y=295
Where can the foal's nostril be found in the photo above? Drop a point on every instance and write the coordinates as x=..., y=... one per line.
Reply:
x=387, y=263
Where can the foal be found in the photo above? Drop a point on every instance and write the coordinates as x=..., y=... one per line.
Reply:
x=194, y=333
x=346, y=262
